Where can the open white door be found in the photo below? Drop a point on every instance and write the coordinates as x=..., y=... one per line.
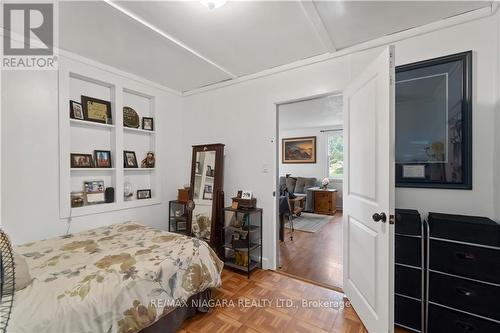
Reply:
x=368, y=190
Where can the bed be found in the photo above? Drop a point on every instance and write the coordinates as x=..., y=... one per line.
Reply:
x=121, y=278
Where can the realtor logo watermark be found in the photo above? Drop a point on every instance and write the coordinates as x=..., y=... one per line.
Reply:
x=29, y=36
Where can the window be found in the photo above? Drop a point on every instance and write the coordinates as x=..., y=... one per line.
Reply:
x=335, y=152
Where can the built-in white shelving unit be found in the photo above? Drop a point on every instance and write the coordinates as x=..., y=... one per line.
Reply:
x=80, y=136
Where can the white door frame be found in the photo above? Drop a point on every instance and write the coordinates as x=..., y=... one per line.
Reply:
x=277, y=160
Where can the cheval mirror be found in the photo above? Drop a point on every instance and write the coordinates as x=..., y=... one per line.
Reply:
x=205, y=220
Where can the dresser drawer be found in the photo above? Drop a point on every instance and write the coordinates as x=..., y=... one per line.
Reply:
x=468, y=229
x=408, y=250
x=408, y=222
x=466, y=295
x=408, y=281
x=465, y=260
x=442, y=320
x=407, y=312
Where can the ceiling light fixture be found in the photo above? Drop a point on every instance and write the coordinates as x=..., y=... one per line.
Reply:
x=212, y=4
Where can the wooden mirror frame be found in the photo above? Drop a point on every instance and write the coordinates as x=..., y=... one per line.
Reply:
x=218, y=194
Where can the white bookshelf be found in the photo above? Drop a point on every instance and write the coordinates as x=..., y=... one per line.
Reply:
x=81, y=136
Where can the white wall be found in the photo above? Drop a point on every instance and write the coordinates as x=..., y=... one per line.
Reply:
x=30, y=160
x=243, y=116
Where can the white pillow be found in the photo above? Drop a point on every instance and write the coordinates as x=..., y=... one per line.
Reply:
x=23, y=276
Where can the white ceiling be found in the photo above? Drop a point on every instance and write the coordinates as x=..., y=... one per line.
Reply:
x=324, y=112
x=240, y=38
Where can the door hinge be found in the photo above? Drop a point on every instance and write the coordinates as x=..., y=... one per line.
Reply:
x=392, y=219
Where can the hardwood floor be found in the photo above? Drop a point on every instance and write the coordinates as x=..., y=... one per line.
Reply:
x=267, y=285
x=315, y=256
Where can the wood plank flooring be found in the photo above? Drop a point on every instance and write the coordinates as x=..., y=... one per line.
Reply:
x=315, y=256
x=273, y=318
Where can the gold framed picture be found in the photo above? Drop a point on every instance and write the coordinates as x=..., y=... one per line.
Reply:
x=299, y=150
x=96, y=110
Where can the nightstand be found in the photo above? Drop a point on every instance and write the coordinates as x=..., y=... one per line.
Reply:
x=325, y=201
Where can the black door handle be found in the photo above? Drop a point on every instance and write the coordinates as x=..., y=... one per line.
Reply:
x=379, y=217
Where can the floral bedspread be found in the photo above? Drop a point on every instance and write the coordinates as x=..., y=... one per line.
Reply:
x=118, y=278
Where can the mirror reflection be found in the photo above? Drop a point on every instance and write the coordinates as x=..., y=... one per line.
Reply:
x=203, y=194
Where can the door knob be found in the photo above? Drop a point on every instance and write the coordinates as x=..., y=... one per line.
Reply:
x=379, y=217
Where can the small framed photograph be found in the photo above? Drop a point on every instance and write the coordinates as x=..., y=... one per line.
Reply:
x=240, y=192
x=143, y=194
x=147, y=124
x=75, y=110
x=246, y=195
x=197, y=168
x=102, y=158
x=94, y=186
x=207, y=192
x=96, y=110
x=81, y=161
x=129, y=159
x=209, y=171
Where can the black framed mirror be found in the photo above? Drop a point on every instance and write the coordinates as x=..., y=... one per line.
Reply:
x=434, y=123
x=207, y=169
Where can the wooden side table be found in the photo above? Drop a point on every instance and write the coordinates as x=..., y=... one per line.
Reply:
x=325, y=201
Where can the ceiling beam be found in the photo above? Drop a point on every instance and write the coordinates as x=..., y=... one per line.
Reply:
x=167, y=36
x=319, y=26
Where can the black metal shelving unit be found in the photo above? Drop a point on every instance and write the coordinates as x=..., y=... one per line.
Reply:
x=177, y=217
x=250, y=246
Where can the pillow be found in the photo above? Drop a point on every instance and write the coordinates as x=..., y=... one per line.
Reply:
x=299, y=186
x=23, y=276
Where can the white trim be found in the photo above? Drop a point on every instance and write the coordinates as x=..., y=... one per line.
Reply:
x=167, y=36
x=314, y=18
x=385, y=40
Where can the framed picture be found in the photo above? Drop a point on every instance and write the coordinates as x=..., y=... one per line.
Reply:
x=197, y=168
x=129, y=159
x=246, y=195
x=207, y=192
x=96, y=110
x=147, y=124
x=75, y=110
x=239, y=194
x=94, y=191
x=298, y=150
x=102, y=158
x=434, y=123
x=81, y=161
x=143, y=194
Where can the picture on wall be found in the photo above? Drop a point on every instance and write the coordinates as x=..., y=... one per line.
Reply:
x=129, y=159
x=75, y=110
x=434, y=123
x=299, y=150
x=81, y=161
x=96, y=110
x=102, y=158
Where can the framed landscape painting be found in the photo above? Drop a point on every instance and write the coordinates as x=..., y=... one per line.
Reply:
x=299, y=150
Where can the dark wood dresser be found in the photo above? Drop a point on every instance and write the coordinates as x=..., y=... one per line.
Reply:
x=325, y=201
x=463, y=274
x=409, y=271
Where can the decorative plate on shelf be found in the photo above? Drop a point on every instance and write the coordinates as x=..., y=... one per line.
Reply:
x=130, y=117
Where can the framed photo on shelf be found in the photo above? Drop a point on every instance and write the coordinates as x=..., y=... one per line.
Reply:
x=246, y=195
x=147, y=124
x=81, y=160
x=75, y=110
x=434, y=123
x=96, y=110
x=94, y=191
x=208, y=192
x=143, y=194
x=299, y=150
x=129, y=159
x=197, y=168
x=102, y=158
